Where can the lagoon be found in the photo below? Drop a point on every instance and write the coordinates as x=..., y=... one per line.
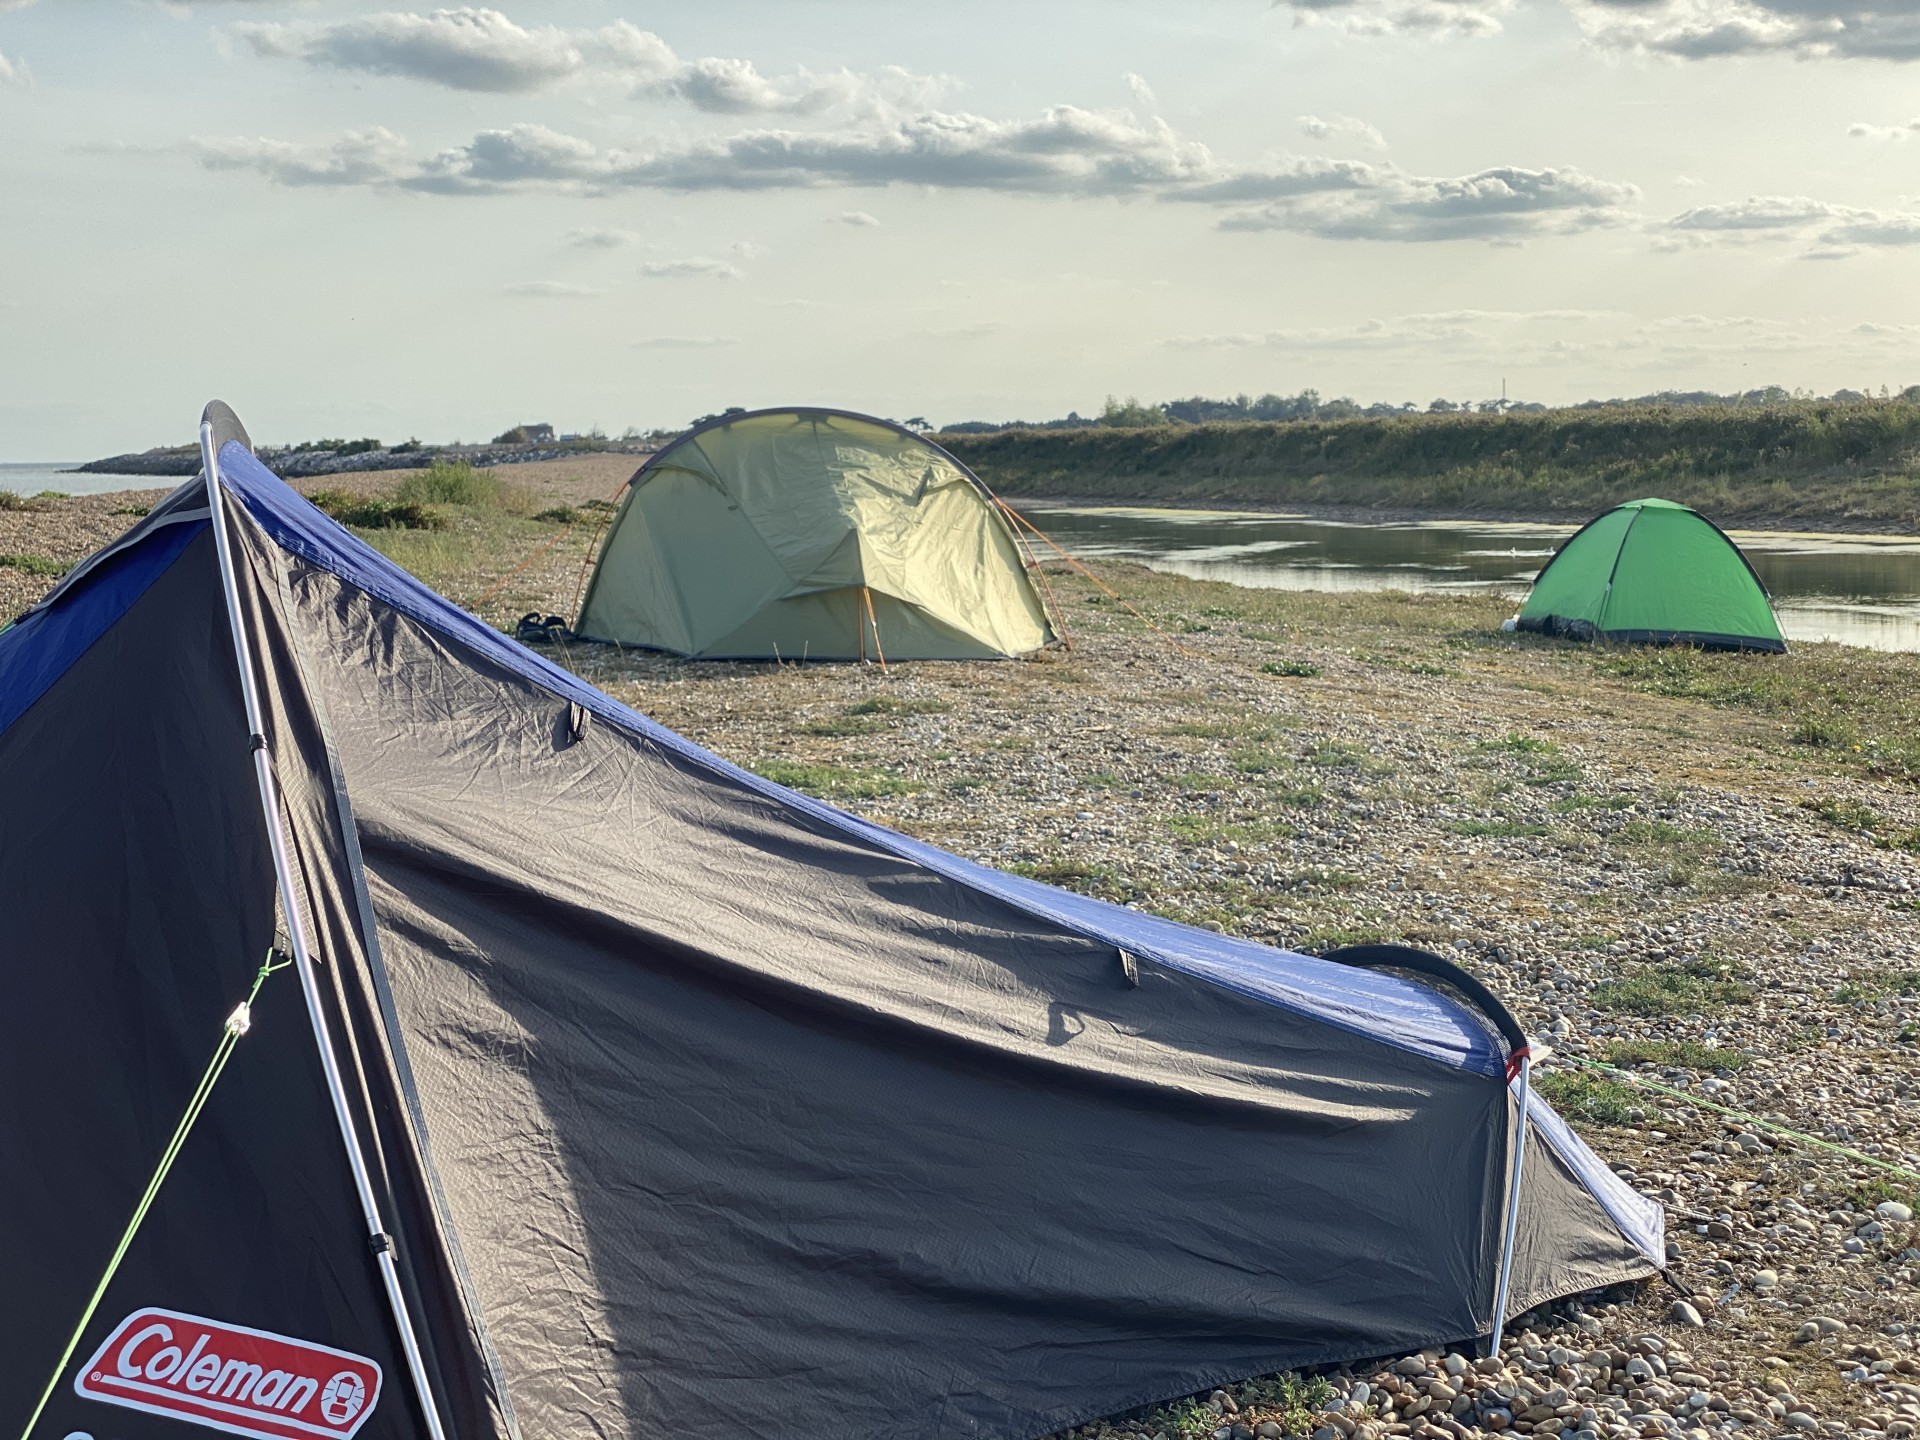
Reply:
x=1852, y=589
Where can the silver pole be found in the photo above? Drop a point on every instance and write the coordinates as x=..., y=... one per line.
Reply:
x=1513, y=1209
x=302, y=956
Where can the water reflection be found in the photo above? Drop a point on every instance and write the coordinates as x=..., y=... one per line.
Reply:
x=1854, y=589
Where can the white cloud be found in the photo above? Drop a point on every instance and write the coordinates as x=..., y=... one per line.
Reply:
x=602, y=238
x=1341, y=127
x=1393, y=17
x=1712, y=29
x=1065, y=151
x=694, y=267
x=14, y=72
x=1838, y=230
x=1140, y=90
x=475, y=48
x=551, y=290
x=1860, y=130
x=360, y=157
x=684, y=342
x=464, y=49
x=1507, y=203
x=856, y=217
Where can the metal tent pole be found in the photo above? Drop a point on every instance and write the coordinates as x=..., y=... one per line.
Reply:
x=377, y=1235
x=1513, y=1209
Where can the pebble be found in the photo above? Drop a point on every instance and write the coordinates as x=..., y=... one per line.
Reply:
x=1681, y=1313
x=1893, y=1212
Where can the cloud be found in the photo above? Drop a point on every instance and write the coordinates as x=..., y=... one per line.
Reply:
x=1860, y=130
x=735, y=87
x=1838, y=230
x=1141, y=91
x=602, y=239
x=856, y=217
x=1395, y=17
x=360, y=157
x=1065, y=151
x=1507, y=203
x=474, y=48
x=551, y=290
x=694, y=267
x=1339, y=127
x=14, y=72
x=684, y=342
x=1714, y=29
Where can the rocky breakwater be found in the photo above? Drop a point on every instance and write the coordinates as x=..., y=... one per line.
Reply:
x=181, y=461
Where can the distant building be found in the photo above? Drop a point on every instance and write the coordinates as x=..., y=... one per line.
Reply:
x=538, y=434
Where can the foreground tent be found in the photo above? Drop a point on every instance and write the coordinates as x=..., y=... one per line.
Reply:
x=816, y=533
x=1651, y=571
x=607, y=1090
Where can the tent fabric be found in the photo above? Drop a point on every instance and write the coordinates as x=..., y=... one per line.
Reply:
x=817, y=534
x=693, y=1103
x=1653, y=572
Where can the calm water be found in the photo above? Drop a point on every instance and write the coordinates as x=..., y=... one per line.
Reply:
x=1856, y=589
x=32, y=479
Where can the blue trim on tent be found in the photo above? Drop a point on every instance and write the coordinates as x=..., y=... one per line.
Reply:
x=44, y=645
x=1379, y=1006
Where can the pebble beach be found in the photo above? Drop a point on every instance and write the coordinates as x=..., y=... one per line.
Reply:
x=1695, y=879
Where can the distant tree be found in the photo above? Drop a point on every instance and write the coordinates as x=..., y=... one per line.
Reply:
x=516, y=436
x=1442, y=406
x=916, y=423
x=1131, y=415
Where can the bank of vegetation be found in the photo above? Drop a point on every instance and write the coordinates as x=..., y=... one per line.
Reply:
x=1830, y=464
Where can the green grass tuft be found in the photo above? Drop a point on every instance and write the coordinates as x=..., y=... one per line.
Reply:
x=835, y=782
x=1587, y=1097
x=43, y=565
x=449, y=484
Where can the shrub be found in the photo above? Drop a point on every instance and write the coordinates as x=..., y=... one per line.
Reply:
x=449, y=484
x=366, y=514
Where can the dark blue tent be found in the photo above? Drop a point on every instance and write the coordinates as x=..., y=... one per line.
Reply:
x=615, y=1090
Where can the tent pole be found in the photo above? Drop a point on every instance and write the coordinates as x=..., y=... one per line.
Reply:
x=1513, y=1208
x=377, y=1235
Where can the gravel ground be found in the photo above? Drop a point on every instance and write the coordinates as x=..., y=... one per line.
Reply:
x=1713, y=895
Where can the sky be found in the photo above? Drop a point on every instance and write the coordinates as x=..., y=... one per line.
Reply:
x=353, y=219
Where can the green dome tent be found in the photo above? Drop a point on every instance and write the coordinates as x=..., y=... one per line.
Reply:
x=1653, y=572
x=812, y=533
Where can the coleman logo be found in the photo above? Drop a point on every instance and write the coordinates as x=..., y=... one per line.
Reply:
x=246, y=1382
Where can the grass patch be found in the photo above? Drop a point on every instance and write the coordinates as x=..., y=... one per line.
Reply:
x=1304, y=669
x=844, y=725
x=888, y=705
x=1689, y=988
x=1252, y=760
x=1878, y=984
x=44, y=566
x=137, y=511
x=1101, y=780
x=1863, y=820
x=1337, y=755
x=1099, y=881
x=1204, y=830
x=559, y=515
x=13, y=500
x=1496, y=829
x=1290, y=1401
x=1869, y=1193
x=1659, y=835
x=449, y=484
x=1200, y=780
x=1322, y=939
x=1675, y=1055
x=1587, y=1097
x=835, y=782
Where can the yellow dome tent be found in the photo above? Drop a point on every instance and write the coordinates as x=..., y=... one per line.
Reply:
x=817, y=534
